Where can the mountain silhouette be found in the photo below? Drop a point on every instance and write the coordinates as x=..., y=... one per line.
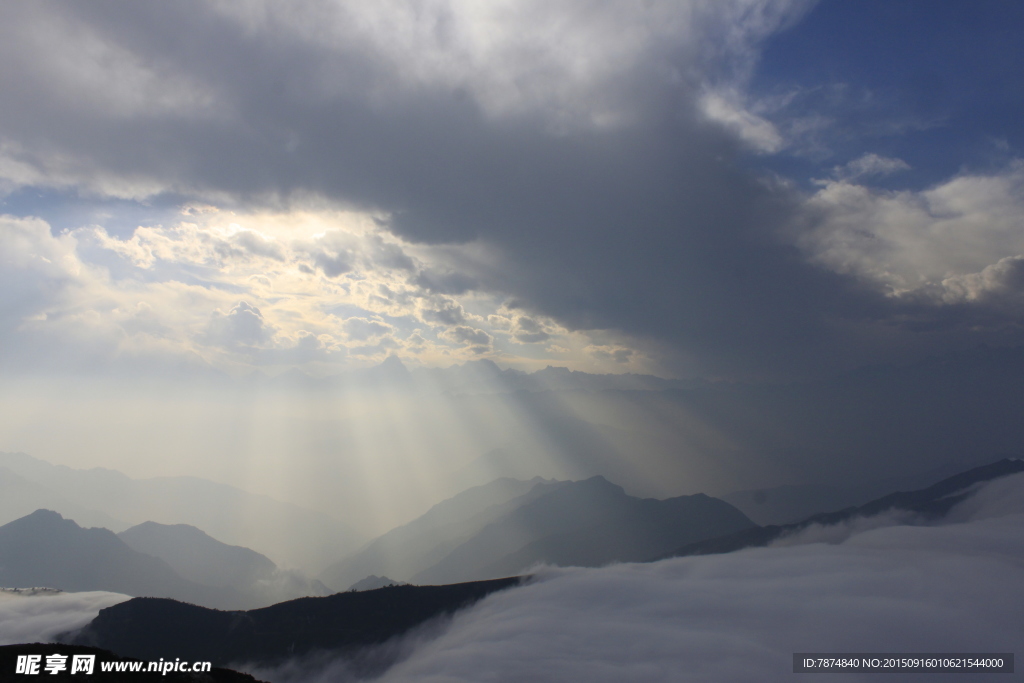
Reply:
x=150, y=628
x=585, y=523
x=198, y=557
x=253, y=578
x=374, y=582
x=931, y=502
x=44, y=549
x=287, y=533
x=416, y=546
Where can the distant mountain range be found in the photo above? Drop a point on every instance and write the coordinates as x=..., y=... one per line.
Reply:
x=292, y=535
x=149, y=628
x=373, y=582
x=44, y=549
x=505, y=527
x=181, y=562
x=930, y=503
x=585, y=522
x=418, y=545
x=198, y=557
x=795, y=502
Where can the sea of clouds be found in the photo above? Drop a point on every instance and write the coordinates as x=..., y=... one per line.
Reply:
x=886, y=584
x=38, y=618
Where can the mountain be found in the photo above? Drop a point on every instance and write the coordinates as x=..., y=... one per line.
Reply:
x=374, y=582
x=150, y=629
x=290, y=534
x=414, y=547
x=585, y=523
x=198, y=557
x=793, y=503
x=44, y=549
x=931, y=502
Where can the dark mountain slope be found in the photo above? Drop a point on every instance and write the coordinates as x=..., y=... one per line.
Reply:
x=932, y=502
x=373, y=583
x=418, y=545
x=586, y=523
x=149, y=628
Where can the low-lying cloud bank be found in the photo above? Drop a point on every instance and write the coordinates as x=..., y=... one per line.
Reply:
x=39, y=618
x=740, y=617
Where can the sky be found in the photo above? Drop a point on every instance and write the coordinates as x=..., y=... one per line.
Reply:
x=741, y=190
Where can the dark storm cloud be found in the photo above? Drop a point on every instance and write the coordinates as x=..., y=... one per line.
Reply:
x=608, y=198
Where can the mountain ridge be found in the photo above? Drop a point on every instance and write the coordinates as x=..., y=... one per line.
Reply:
x=930, y=502
x=151, y=628
x=44, y=549
x=591, y=522
x=288, y=533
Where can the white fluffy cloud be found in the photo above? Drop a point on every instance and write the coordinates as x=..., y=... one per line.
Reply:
x=757, y=132
x=960, y=241
x=740, y=617
x=323, y=290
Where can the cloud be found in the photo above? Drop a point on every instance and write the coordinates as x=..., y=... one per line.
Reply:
x=38, y=271
x=444, y=311
x=755, y=131
x=559, y=148
x=361, y=329
x=443, y=281
x=587, y=162
x=999, y=498
x=477, y=340
x=39, y=618
x=499, y=322
x=870, y=164
x=957, y=242
x=619, y=354
x=243, y=325
x=529, y=331
x=259, y=245
x=736, y=617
